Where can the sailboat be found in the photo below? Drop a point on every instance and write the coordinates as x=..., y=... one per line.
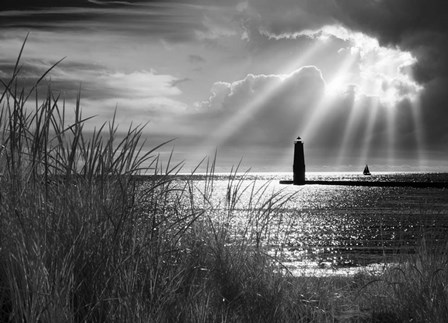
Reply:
x=366, y=171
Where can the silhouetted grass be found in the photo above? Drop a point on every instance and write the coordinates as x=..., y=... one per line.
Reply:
x=84, y=239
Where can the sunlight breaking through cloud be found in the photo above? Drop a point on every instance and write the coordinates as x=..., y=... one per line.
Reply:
x=383, y=72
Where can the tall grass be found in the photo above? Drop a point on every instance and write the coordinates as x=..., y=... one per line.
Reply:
x=414, y=290
x=85, y=238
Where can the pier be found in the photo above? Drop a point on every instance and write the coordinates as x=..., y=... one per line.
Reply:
x=373, y=183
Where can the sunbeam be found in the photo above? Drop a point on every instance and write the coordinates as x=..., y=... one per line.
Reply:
x=347, y=137
x=305, y=55
x=391, y=134
x=316, y=116
x=240, y=118
x=418, y=129
x=357, y=110
x=353, y=109
x=373, y=106
x=333, y=89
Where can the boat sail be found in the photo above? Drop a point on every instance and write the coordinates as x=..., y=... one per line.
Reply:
x=366, y=170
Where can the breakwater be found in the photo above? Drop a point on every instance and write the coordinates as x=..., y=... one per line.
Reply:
x=373, y=183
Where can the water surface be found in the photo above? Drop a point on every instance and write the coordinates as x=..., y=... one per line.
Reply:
x=326, y=228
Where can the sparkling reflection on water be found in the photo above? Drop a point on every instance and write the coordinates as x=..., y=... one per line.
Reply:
x=327, y=228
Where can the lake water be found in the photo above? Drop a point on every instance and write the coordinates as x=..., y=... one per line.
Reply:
x=329, y=229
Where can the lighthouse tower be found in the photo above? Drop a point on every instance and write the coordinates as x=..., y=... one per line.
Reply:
x=299, y=163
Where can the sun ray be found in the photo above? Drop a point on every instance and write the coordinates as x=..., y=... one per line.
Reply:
x=348, y=132
x=301, y=60
x=373, y=107
x=333, y=86
x=315, y=117
x=239, y=119
x=391, y=134
x=418, y=129
x=357, y=110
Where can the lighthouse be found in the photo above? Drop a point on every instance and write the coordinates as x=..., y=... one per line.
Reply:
x=299, y=163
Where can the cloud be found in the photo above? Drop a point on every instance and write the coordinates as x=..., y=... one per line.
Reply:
x=99, y=80
x=417, y=27
x=137, y=84
x=288, y=16
x=176, y=82
x=145, y=95
x=8, y=5
x=196, y=59
x=421, y=28
x=160, y=20
x=157, y=111
x=217, y=24
x=377, y=71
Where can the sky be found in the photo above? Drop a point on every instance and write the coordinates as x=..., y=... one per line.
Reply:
x=361, y=82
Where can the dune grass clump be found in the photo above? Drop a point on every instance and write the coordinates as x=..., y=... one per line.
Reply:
x=84, y=238
x=73, y=246
x=413, y=290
